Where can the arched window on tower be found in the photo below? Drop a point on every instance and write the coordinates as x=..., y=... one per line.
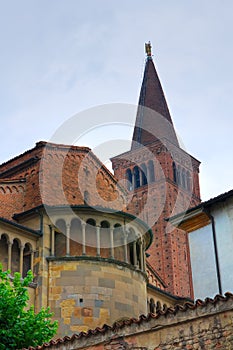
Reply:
x=178, y=175
x=136, y=175
x=144, y=174
x=151, y=171
x=174, y=172
x=183, y=178
x=129, y=178
x=188, y=181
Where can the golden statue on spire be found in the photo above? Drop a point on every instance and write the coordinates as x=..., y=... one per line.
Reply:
x=148, y=49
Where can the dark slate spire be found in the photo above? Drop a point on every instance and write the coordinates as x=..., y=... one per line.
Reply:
x=153, y=119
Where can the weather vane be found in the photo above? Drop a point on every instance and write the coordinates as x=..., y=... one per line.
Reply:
x=148, y=49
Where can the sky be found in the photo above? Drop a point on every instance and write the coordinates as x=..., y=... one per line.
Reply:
x=59, y=58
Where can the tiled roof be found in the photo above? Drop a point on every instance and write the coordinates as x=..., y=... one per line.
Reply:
x=142, y=319
x=222, y=197
x=19, y=226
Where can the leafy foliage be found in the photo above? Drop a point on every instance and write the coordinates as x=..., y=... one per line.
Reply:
x=20, y=326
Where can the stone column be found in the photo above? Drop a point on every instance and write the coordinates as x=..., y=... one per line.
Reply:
x=9, y=254
x=133, y=180
x=134, y=254
x=140, y=176
x=83, y=238
x=52, y=240
x=141, y=255
x=67, y=239
x=32, y=260
x=125, y=246
x=144, y=258
x=111, y=243
x=21, y=260
x=97, y=240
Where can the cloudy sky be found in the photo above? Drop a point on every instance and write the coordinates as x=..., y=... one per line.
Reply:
x=60, y=57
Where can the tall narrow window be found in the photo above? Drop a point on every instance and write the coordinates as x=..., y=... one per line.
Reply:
x=129, y=178
x=174, y=172
x=178, y=175
x=136, y=177
x=144, y=174
x=188, y=180
x=183, y=178
x=151, y=171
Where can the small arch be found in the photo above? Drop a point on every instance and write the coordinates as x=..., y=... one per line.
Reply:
x=158, y=306
x=20, y=188
x=2, y=191
x=91, y=222
x=104, y=224
x=14, y=189
x=15, y=256
x=152, y=306
x=129, y=179
x=4, y=250
x=151, y=171
x=27, y=252
x=61, y=225
x=8, y=189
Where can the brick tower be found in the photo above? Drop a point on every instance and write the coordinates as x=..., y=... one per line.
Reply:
x=162, y=179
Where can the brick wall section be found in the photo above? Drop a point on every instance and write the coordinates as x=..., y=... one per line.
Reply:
x=11, y=197
x=169, y=252
x=58, y=175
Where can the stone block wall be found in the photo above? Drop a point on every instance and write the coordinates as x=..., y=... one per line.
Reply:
x=86, y=293
x=206, y=325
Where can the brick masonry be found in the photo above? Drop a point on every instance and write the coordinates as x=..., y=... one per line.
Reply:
x=169, y=252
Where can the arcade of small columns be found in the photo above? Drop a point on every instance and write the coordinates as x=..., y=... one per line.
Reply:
x=16, y=253
x=131, y=241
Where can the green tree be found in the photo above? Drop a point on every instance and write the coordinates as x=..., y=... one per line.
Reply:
x=20, y=326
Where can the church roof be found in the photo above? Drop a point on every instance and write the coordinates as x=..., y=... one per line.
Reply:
x=152, y=106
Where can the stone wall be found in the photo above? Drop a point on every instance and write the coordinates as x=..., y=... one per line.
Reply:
x=206, y=325
x=86, y=293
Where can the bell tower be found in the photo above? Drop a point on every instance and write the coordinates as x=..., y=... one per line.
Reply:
x=162, y=179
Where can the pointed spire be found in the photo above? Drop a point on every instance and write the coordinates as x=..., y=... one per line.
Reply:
x=152, y=97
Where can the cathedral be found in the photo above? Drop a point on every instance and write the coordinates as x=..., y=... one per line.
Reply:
x=93, y=263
